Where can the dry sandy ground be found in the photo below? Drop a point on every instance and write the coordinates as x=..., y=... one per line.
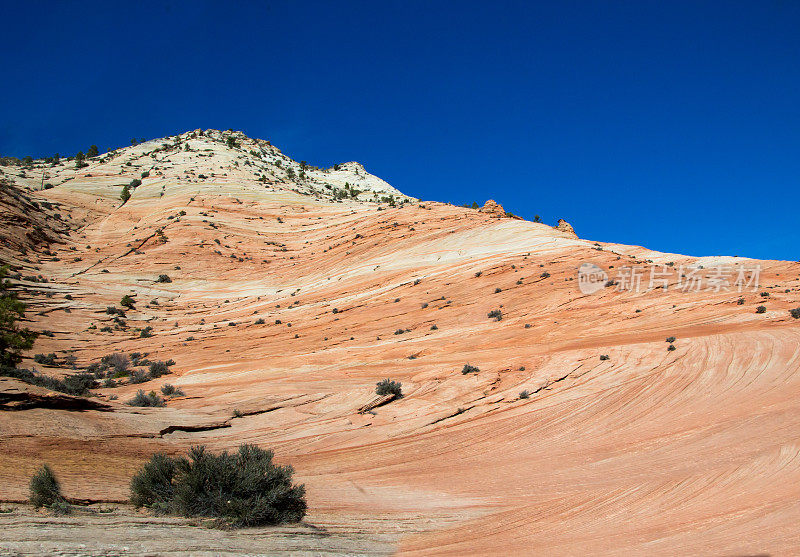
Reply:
x=694, y=451
x=120, y=530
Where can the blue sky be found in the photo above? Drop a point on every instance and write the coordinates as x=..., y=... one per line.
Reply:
x=673, y=125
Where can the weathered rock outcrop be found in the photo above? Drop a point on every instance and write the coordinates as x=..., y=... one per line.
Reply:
x=493, y=208
x=25, y=223
x=565, y=227
x=17, y=395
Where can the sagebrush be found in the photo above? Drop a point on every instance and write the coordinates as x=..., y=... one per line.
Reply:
x=240, y=489
x=45, y=491
x=389, y=387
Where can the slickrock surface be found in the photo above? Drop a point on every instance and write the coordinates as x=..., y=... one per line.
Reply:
x=650, y=451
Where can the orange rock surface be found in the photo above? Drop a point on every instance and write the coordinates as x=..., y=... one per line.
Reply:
x=650, y=451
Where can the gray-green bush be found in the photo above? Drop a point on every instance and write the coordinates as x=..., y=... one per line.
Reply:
x=171, y=390
x=44, y=488
x=241, y=489
x=469, y=369
x=146, y=399
x=495, y=314
x=389, y=387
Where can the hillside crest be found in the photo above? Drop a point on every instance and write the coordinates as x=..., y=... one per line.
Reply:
x=209, y=158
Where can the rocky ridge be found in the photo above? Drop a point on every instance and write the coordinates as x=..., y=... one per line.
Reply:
x=285, y=302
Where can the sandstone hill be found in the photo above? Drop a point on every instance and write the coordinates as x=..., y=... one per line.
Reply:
x=284, y=292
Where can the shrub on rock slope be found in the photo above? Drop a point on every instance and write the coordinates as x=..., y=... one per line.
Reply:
x=241, y=489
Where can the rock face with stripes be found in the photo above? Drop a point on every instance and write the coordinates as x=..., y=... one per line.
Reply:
x=289, y=296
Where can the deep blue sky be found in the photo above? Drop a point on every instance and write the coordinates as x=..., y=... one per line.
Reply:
x=674, y=125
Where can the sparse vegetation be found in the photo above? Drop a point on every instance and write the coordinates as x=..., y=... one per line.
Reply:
x=13, y=339
x=79, y=160
x=495, y=314
x=171, y=390
x=76, y=385
x=119, y=363
x=45, y=359
x=604, y=357
x=138, y=376
x=670, y=339
x=469, y=369
x=45, y=490
x=241, y=489
x=157, y=369
x=524, y=394
x=150, y=399
x=60, y=508
x=761, y=309
x=795, y=313
x=389, y=387
x=152, y=486
x=127, y=301
x=164, y=278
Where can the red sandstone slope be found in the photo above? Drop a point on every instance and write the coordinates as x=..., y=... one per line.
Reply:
x=650, y=451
